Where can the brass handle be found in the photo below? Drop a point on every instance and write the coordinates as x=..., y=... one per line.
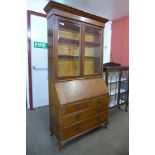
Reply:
x=77, y=116
x=77, y=107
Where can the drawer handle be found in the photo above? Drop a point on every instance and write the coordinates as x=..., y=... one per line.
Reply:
x=77, y=116
x=77, y=107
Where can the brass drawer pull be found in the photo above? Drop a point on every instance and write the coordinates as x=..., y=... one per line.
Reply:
x=77, y=116
x=77, y=107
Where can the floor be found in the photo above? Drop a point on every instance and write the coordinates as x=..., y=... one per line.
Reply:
x=111, y=141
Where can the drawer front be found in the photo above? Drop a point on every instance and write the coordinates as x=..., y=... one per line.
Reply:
x=95, y=121
x=99, y=101
x=84, y=126
x=74, y=107
x=82, y=115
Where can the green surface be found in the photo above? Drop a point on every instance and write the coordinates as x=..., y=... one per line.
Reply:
x=40, y=44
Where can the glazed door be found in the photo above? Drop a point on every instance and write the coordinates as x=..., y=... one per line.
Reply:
x=68, y=49
x=92, y=51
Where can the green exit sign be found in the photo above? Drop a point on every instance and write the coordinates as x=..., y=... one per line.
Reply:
x=40, y=45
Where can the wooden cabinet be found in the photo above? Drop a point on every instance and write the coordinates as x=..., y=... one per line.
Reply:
x=123, y=97
x=117, y=80
x=112, y=76
x=78, y=95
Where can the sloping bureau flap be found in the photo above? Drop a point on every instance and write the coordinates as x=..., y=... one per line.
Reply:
x=76, y=90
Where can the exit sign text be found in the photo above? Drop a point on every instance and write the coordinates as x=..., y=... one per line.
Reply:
x=40, y=44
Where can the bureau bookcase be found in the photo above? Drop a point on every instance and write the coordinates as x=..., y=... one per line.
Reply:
x=78, y=95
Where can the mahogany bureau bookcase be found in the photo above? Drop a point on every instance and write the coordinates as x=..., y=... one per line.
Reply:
x=78, y=95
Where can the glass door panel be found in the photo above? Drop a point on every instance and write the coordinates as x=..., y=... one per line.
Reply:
x=92, y=51
x=68, y=49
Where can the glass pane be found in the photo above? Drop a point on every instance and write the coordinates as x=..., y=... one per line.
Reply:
x=68, y=49
x=92, y=51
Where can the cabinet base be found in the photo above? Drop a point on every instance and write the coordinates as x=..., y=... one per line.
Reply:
x=62, y=143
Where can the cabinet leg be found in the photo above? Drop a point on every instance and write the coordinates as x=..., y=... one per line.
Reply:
x=119, y=106
x=106, y=125
x=126, y=107
x=61, y=146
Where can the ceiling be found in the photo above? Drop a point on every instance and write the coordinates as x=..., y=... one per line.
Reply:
x=110, y=9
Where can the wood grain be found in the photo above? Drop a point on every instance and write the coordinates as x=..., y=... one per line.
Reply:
x=71, y=91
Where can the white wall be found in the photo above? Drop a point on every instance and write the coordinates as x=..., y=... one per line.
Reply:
x=107, y=42
x=36, y=5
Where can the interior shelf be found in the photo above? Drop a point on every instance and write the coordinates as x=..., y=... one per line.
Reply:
x=112, y=103
x=69, y=56
x=92, y=44
x=76, y=56
x=91, y=57
x=69, y=41
x=114, y=80
x=74, y=41
x=114, y=92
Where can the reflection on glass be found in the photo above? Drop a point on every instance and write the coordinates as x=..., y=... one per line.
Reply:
x=92, y=51
x=68, y=49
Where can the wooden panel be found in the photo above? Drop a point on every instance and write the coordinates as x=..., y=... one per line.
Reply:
x=54, y=97
x=54, y=112
x=99, y=101
x=68, y=33
x=70, y=119
x=70, y=132
x=73, y=107
x=89, y=66
x=90, y=123
x=75, y=17
x=71, y=91
x=83, y=126
x=55, y=121
x=50, y=24
x=54, y=5
x=68, y=67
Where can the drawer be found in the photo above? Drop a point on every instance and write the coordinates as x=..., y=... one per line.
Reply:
x=70, y=131
x=93, y=121
x=99, y=101
x=74, y=107
x=102, y=118
x=82, y=115
x=84, y=126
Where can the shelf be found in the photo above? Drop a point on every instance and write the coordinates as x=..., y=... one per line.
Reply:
x=69, y=56
x=114, y=92
x=68, y=26
x=91, y=57
x=69, y=41
x=92, y=44
x=112, y=103
x=122, y=101
x=73, y=41
x=76, y=56
x=116, y=80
